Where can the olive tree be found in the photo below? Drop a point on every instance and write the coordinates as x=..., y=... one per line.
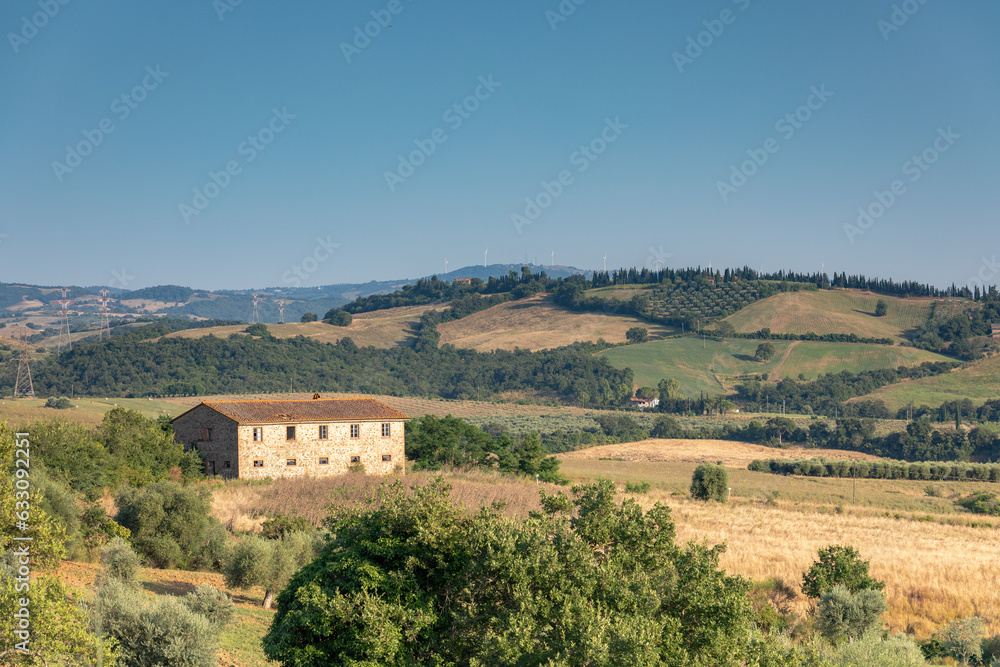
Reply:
x=710, y=481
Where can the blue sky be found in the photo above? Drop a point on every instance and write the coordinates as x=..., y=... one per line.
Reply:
x=622, y=123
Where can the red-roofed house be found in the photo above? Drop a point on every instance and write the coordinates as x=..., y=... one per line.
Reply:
x=293, y=438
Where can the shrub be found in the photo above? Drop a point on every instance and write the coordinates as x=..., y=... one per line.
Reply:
x=120, y=562
x=838, y=566
x=338, y=317
x=171, y=526
x=637, y=487
x=842, y=614
x=61, y=403
x=309, y=317
x=872, y=649
x=963, y=639
x=710, y=482
x=280, y=525
x=160, y=632
x=213, y=604
x=981, y=503
x=256, y=561
x=637, y=334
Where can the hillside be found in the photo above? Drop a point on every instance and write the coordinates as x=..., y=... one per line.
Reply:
x=833, y=311
x=381, y=328
x=711, y=366
x=978, y=381
x=536, y=323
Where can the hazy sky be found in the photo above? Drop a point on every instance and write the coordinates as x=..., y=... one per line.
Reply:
x=225, y=145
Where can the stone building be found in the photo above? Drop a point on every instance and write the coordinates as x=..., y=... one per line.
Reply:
x=292, y=438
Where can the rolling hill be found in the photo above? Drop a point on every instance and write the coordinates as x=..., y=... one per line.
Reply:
x=711, y=366
x=536, y=323
x=833, y=311
x=380, y=328
x=978, y=381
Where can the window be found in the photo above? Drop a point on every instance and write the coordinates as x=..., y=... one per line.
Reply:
x=289, y=462
x=290, y=433
x=355, y=430
x=387, y=457
x=205, y=434
x=355, y=459
x=386, y=430
x=324, y=461
x=209, y=433
x=258, y=434
x=226, y=465
x=258, y=463
x=211, y=467
x=324, y=432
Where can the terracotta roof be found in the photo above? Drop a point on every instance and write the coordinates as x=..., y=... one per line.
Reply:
x=317, y=409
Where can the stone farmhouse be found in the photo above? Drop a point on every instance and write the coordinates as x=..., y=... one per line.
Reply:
x=294, y=438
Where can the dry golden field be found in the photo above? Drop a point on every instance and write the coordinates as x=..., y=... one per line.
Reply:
x=728, y=452
x=382, y=329
x=536, y=323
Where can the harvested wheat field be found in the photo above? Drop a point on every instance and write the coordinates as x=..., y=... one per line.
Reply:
x=934, y=573
x=729, y=452
x=536, y=323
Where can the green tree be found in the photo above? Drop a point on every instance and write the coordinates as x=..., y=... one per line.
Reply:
x=841, y=614
x=838, y=566
x=337, y=317
x=412, y=578
x=256, y=561
x=258, y=329
x=636, y=335
x=666, y=427
x=881, y=308
x=710, y=481
x=724, y=330
x=668, y=388
x=309, y=317
x=645, y=393
x=780, y=426
x=963, y=639
x=764, y=352
x=120, y=562
x=171, y=526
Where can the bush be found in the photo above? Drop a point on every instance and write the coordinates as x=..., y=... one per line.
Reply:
x=963, y=640
x=213, y=604
x=120, y=562
x=338, y=317
x=58, y=403
x=256, y=561
x=637, y=487
x=171, y=526
x=872, y=649
x=842, y=614
x=710, y=482
x=838, y=566
x=981, y=503
x=160, y=632
x=258, y=329
x=637, y=335
x=280, y=525
x=309, y=317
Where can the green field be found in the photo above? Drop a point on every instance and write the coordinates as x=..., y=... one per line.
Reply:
x=977, y=381
x=833, y=311
x=711, y=366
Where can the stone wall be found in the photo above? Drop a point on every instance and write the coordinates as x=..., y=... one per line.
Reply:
x=233, y=443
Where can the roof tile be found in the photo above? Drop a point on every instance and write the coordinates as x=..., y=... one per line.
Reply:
x=317, y=409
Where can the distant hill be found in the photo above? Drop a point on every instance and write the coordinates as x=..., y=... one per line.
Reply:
x=978, y=381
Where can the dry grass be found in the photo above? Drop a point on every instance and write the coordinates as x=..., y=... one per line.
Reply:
x=537, y=323
x=934, y=573
x=729, y=452
x=243, y=506
x=382, y=329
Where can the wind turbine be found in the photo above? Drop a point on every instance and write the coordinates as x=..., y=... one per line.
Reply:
x=605, y=263
x=484, y=256
x=445, y=266
x=553, y=263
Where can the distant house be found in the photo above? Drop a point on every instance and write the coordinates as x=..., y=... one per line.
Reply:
x=294, y=438
x=462, y=281
x=995, y=333
x=643, y=403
